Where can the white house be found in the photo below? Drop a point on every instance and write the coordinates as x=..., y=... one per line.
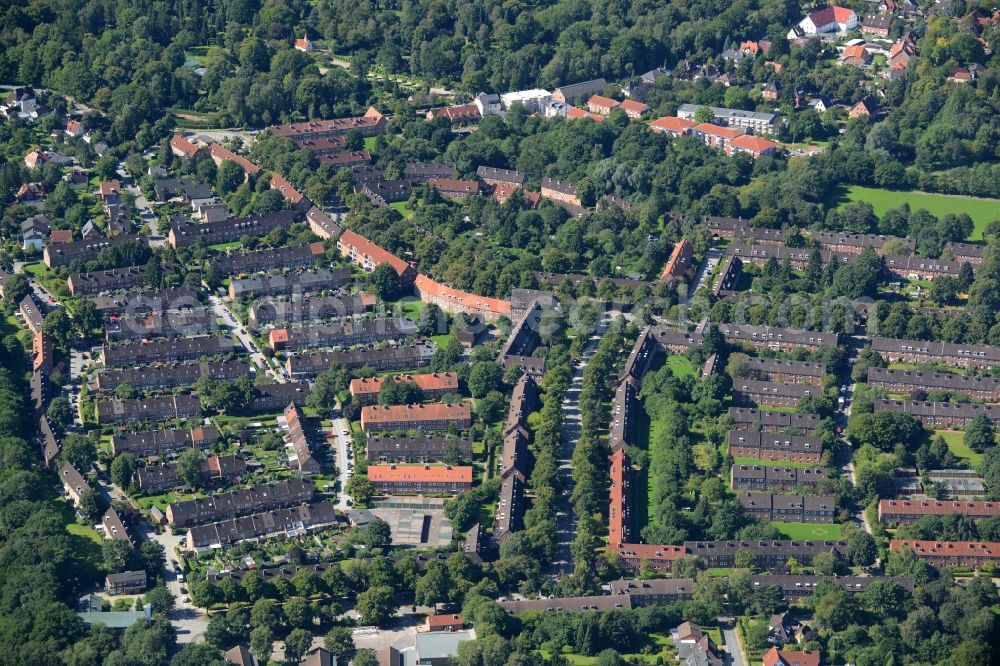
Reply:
x=533, y=100
x=487, y=103
x=828, y=19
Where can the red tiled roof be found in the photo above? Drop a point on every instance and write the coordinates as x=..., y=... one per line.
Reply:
x=420, y=473
x=776, y=657
x=716, y=130
x=672, y=124
x=109, y=188
x=938, y=507
x=603, y=102
x=278, y=336
x=949, y=548
x=753, y=144
x=437, y=411
x=278, y=182
x=453, y=185
x=855, y=51
x=436, y=381
x=61, y=236
x=220, y=153
x=365, y=248
x=679, y=261
x=634, y=106
x=443, y=620
x=461, y=298
x=182, y=145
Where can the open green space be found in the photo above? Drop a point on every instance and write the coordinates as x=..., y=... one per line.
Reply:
x=401, y=207
x=982, y=211
x=85, y=531
x=370, y=143
x=956, y=444
x=811, y=531
x=660, y=642
x=680, y=366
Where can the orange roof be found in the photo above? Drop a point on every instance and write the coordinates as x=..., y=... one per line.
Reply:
x=842, y=14
x=454, y=185
x=680, y=260
x=278, y=336
x=576, y=112
x=435, y=381
x=949, y=548
x=73, y=125
x=443, y=620
x=220, y=153
x=672, y=124
x=651, y=552
x=634, y=106
x=603, y=102
x=716, y=130
x=61, y=236
x=503, y=191
x=938, y=507
x=436, y=411
x=182, y=145
x=856, y=51
x=109, y=187
x=617, y=505
x=776, y=657
x=278, y=182
x=460, y=299
x=364, y=248
x=753, y=144
x=420, y=473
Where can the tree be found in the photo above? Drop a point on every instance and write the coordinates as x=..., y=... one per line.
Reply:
x=122, y=469
x=198, y=654
x=704, y=114
x=980, y=434
x=91, y=505
x=434, y=586
x=79, y=451
x=86, y=318
x=16, y=287
x=298, y=612
x=484, y=376
x=340, y=641
x=297, y=644
x=610, y=657
x=190, y=467
x=884, y=430
x=228, y=177
x=378, y=534
x=160, y=598
x=385, y=282
x=757, y=635
x=153, y=556
x=117, y=554
x=862, y=549
x=376, y=605
x=261, y=643
x=360, y=489
x=254, y=585
x=60, y=413
x=402, y=392
x=266, y=613
x=365, y=657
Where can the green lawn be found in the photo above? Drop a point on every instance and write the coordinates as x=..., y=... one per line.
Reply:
x=956, y=444
x=982, y=211
x=401, y=207
x=680, y=366
x=411, y=306
x=811, y=531
x=85, y=531
x=370, y=143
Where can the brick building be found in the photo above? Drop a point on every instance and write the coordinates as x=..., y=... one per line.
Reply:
x=434, y=416
x=420, y=479
x=365, y=390
x=774, y=446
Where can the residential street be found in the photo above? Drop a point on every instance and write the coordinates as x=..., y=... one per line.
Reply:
x=732, y=646
x=340, y=441
x=223, y=312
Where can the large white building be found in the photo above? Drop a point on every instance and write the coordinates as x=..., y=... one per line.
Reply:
x=828, y=19
x=533, y=100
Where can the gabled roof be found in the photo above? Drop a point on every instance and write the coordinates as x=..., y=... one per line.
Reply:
x=672, y=124
x=753, y=144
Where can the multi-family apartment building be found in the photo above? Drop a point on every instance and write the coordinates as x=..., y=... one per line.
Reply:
x=293, y=521
x=322, y=224
x=386, y=449
x=738, y=229
x=300, y=457
x=342, y=334
x=786, y=371
x=432, y=385
x=940, y=414
x=30, y=314
x=270, y=310
x=773, y=394
x=454, y=300
x=846, y=243
x=430, y=417
x=63, y=254
x=177, y=323
x=152, y=378
x=183, y=232
x=114, y=279
x=907, y=381
x=277, y=395
x=270, y=259
x=370, y=124
x=368, y=256
x=148, y=409
x=797, y=257
x=796, y=587
x=421, y=172
x=951, y=353
x=971, y=554
x=165, y=349
x=164, y=300
x=493, y=176
x=300, y=282
x=894, y=512
x=241, y=502
x=779, y=339
x=74, y=485
x=420, y=479
x=748, y=418
x=729, y=278
x=511, y=505
x=385, y=359
x=759, y=122
x=559, y=190
x=965, y=253
x=154, y=478
x=160, y=442
x=772, y=478
x=790, y=508
x=767, y=554
x=774, y=446
x=914, y=267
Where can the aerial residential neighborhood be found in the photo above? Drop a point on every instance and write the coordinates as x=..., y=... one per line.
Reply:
x=412, y=334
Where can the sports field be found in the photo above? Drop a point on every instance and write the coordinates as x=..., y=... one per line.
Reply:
x=982, y=211
x=812, y=531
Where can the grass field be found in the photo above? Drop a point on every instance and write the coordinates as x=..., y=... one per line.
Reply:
x=680, y=366
x=956, y=444
x=660, y=642
x=370, y=143
x=808, y=531
x=982, y=211
x=85, y=531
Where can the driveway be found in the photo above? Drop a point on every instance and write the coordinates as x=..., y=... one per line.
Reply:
x=340, y=441
x=712, y=257
x=188, y=621
x=732, y=647
x=221, y=311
